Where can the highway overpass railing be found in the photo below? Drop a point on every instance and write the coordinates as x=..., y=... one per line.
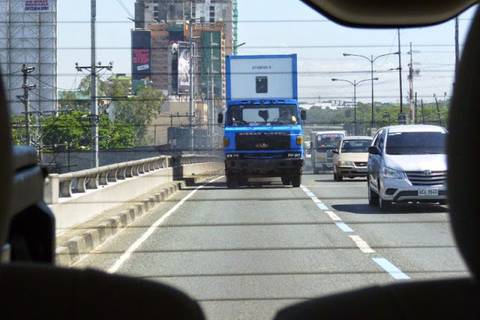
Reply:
x=76, y=197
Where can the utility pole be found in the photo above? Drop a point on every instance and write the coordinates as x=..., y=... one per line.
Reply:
x=190, y=40
x=410, y=80
x=438, y=110
x=423, y=113
x=93, y=81
x=26, y=70
x=400, y=70
x=415, y=110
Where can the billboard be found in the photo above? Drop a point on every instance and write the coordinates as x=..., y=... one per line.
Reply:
x=183, y=68
x=141, y=55
x=37, y=5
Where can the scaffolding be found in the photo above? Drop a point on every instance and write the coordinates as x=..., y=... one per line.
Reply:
x=28, y=35
x=235, y=26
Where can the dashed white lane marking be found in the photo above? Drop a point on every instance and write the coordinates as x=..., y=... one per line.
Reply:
x=386, y=265
x=362, y=244
x=392, y=270
x=344, y=227
x=333, y=216
x=126, y=255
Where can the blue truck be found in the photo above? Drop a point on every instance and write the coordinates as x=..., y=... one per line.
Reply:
x=263, y=133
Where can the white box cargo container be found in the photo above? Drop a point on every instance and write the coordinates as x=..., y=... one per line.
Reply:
x=262, y=77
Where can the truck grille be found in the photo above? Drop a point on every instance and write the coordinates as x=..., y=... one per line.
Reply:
x=262, y=140
x=427, y=178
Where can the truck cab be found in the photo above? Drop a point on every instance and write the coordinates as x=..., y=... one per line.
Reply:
x=263, y=133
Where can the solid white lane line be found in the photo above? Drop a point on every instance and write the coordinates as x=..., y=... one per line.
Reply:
x=310, y=194
x=321, y=206
x=362, y=244
x=333, y=216
x=126, y=255
x=344, y=227
x=392, y=270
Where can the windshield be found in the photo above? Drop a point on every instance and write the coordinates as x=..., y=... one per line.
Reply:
x=328, y=141
x=262, y=115
x=355, y=146
x=159, y=168
x=416, y=143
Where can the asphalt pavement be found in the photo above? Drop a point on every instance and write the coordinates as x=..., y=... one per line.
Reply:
x=244, y=253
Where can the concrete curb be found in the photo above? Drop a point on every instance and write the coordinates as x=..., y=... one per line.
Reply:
x=71, y=251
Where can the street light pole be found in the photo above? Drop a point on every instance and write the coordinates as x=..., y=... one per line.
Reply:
x=371, y=59
x=355, y=107
x=355, y=83
x=373, y=109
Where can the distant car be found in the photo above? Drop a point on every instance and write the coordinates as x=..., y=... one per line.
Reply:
x=351, y=158
x=407, y=164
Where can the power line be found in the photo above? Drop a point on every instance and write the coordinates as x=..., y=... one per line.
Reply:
x=291, y=46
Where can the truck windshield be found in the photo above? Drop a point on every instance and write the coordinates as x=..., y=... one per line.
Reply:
x=328, y=141
x=416, y=143
x=355, y=146
x=261, y=115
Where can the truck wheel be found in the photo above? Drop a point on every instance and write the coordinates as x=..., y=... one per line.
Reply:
x=231, y=181
x=285, y=181
x=242, y=181
x=296, y=180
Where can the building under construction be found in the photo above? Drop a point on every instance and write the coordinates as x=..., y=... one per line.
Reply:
x=28, y=36
x=169, y=22
x=174, y=25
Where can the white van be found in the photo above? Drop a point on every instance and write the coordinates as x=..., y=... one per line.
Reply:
x=408, y=164
x=323, y=145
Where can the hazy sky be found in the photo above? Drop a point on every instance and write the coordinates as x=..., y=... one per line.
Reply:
x=318, y=42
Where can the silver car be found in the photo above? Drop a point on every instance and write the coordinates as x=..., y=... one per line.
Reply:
x=407, y=164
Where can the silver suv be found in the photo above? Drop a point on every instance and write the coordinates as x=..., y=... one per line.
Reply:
x=407, y=164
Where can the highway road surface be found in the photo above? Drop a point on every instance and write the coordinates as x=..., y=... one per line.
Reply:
x=244, y=253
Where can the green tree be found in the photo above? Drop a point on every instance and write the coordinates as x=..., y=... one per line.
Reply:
x=140, y=110
x=74, y=129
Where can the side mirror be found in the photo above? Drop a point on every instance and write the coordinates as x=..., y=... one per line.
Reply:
x=303, y=114
x=374, y=150
x=220, y=118
x=335, y=151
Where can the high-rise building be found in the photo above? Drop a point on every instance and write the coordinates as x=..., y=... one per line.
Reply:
x=168, y=21
x=28, y=35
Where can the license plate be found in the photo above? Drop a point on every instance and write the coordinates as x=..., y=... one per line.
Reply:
x=427, y=192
